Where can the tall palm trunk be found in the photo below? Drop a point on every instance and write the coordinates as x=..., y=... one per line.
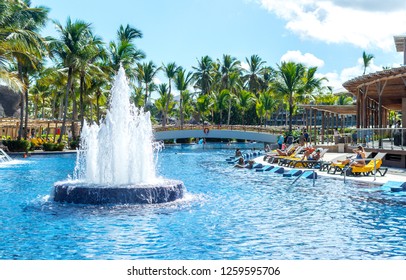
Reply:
x=43, y=108
x=229, y=112
x=290, y=112
x=167, y=104
x=36, y=108
x=60, y=109
x=65, y=109
x=26, y=110
x=82, y=92
x=22, y=103
x=165, y=112
x=181, y=110
x=98, y=93
x=146, y=97
x=74, y=126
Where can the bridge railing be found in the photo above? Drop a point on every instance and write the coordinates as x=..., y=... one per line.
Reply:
x=250, y=128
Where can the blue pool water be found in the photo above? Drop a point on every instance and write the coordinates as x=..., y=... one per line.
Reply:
x=227, y=214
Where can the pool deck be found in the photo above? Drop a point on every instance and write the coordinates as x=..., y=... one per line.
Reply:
x=393, y=174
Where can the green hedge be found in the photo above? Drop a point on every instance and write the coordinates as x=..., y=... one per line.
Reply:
x=17, y=145
x=53, y=147
x=74, y=144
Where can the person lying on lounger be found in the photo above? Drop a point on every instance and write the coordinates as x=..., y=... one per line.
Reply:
x=286, y=152
x=359, y=160
x=308, y=151
x=314, y=156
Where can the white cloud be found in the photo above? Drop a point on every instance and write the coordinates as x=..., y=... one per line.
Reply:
x=307, y=59
x=362, y=23
x=372, y=5
x=336, y=80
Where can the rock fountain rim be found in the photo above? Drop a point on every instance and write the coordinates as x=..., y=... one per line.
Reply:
x=84, y=193
x=78, y=183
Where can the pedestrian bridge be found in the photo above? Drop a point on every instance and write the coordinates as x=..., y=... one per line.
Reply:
x=250, y=133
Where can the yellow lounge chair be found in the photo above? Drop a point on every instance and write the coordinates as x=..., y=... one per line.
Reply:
x=308, y=163
x=274, y=153
x=371, y=167
x=336, y=166
x=277, y=159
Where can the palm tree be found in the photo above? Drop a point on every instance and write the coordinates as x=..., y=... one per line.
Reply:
x=245, y=100
x=203, y=75
x=124, y=52
x=165, y=102
x=311, y=82
x=146, y=73
x=182, y=81
x=98, y=87
x=253, y=76
x=221, y=101
x=269, y=103
x=128, y=33
x=228, y=66
x=289, y=83
x=137, y=97
x=21, y=44
x=230, y=71
x=344, y=99
x=74, y=37
x=187, y=104
x=234, y=85
x=260, y=110
x=88, y=67
x=366, y=59
x=203, y=104
x=170, y=70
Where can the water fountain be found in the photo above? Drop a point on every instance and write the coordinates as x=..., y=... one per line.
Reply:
x=115, y=162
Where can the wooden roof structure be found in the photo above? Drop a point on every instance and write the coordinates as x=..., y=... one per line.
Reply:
x=390, y=83
x=334, y=109
x=400, y=43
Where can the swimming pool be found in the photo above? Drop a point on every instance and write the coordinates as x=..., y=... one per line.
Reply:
x=227, y=214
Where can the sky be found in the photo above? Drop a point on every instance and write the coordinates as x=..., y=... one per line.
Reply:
x=329, y=34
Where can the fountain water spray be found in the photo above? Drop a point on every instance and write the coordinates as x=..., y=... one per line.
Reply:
x=115, y=162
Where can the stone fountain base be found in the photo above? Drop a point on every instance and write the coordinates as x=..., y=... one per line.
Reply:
x=82, y=193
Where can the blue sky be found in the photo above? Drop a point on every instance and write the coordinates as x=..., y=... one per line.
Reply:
x=330, y=34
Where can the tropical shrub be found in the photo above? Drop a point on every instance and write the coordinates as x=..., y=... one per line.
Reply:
x=74, y=144
x=53, y=147
x=17, y=145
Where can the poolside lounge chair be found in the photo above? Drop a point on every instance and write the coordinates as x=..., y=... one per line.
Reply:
x=326, y=165
x=370, y=167
x=276, y=159
x=274, y=153
x=308, y=163
x=334, y=166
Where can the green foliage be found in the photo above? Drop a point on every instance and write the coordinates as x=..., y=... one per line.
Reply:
x=17, y=145
x=53, y=146
x=74, y=144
